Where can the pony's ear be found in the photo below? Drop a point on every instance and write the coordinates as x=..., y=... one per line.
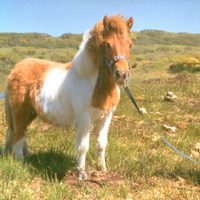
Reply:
x=130, y=22
x=105, y=23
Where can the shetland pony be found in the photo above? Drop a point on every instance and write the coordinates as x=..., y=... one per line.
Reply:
x=82, y=93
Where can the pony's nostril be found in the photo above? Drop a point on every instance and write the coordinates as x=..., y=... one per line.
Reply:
x=118, y=74
x=125, y=75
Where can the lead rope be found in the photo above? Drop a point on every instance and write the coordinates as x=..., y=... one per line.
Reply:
x=130, y=95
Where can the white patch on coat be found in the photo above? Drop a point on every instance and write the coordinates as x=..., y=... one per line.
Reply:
x=82, y=60
x=65, y=100
x=52, y=97
x=66, y=94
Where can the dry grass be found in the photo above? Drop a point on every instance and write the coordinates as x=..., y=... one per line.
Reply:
x=140, y=165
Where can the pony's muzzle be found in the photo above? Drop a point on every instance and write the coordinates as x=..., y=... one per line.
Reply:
x=122, y=77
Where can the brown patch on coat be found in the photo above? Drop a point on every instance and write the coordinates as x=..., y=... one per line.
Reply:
x=23, y=86
x=115, y=33
x=106, y=95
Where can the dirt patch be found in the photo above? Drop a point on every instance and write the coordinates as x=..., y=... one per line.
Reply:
x=183, y=77
x=95, y=179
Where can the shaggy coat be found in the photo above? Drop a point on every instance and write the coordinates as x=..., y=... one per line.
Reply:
x=77, y=94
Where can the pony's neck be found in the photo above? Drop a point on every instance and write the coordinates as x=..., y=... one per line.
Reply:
x=85, y=61
x=88, y=63
x=106, y=93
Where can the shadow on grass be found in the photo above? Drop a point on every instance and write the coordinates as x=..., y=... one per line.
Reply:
x=192, y=175
x=51, y=165
x=150, y=166
x=189, y=174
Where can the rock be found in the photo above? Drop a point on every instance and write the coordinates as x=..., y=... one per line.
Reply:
x=143, y=110
x=196, y=150
x=170, y=96
x=194, y=153
x=197, y=147
x=155, y=137
x=169, y=128
x=119, y=117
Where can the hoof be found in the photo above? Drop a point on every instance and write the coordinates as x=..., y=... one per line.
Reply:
x=82, y=176
x=26, y=152
x=101, y=167
x=19, y=157
x=6, y=150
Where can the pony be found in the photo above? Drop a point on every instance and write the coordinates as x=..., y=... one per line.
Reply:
x=79, y=94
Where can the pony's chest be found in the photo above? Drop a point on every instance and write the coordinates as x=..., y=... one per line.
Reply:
x=106, y=100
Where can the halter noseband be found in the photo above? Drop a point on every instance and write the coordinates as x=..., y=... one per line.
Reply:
x=109, y=64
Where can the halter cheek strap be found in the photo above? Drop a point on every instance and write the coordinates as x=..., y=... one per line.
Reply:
x=109, y=64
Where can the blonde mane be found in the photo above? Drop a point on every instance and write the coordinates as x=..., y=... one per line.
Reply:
x=82, y=61
x=88, y=59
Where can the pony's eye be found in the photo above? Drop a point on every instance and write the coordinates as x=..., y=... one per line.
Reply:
x=131, y=45
x=107, y=45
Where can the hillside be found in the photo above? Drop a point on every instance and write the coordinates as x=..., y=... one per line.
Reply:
x=166, y=38
x=39, y=40
x=152, y=48
x=145, y=37
x=146, y=41
x=140, y=165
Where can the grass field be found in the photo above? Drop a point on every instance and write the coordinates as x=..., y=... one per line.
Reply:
x=141, y=166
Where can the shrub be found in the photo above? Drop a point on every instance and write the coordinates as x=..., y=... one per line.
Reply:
x=190, y=67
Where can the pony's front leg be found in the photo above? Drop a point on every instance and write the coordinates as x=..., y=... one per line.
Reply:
x=82, y=134
x=101, y=130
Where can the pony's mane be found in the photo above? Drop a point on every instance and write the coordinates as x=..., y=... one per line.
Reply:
x=115, y=24
x=82, y=61
x=92, y=44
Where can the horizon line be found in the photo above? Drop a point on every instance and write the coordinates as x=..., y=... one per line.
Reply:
x=60, y=35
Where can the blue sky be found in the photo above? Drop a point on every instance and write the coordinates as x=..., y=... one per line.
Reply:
x=56, y=17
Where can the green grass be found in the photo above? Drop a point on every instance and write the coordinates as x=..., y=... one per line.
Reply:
x=140, y=165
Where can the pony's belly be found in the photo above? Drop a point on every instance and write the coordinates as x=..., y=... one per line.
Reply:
x=54, y=112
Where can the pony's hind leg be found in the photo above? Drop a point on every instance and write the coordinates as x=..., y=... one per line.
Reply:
x=21, y=115
x=8, y=143
x=10, y=130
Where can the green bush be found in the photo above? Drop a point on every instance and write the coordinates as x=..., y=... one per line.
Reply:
x=8, y=59
x=185, y=63
x=189, y=67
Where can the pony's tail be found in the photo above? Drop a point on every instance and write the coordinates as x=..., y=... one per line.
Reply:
x=10, y=129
